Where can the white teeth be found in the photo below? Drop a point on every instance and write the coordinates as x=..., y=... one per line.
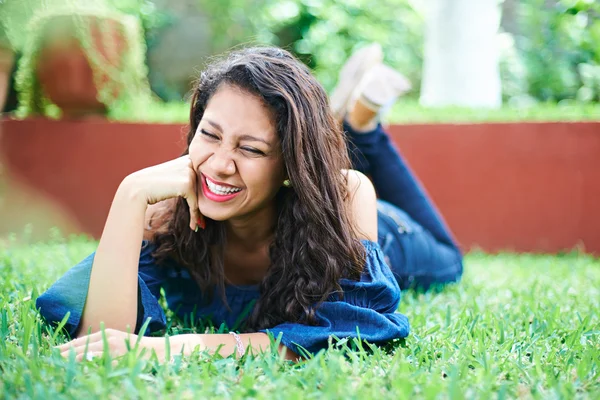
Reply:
x=221, y=190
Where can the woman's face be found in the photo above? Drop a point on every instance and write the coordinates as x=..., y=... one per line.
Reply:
x=236, y=155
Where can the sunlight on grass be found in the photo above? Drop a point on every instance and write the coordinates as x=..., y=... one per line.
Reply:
x=410, y=112
x=406, y=111
x=517, y=325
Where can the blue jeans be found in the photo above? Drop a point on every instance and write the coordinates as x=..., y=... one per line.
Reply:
x=416, y=241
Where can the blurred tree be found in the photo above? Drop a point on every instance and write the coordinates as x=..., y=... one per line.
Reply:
x=179, y=50
x=548, y=50
x=322, y=33
x=461, y=57
x=560, y=49
x=509, y=22
x=151, y=19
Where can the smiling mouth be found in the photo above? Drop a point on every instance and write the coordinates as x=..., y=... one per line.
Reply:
x=216, y=192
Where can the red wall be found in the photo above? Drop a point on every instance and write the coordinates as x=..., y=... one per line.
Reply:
x=80, y=164
x=525, y=186
x=515, y=186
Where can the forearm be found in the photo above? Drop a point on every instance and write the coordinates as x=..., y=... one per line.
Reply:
x=112, y=294
x=225, y=344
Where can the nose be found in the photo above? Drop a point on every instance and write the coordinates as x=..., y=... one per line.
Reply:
x=221, y=162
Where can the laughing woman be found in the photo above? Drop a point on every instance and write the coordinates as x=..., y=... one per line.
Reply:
x=261, y=225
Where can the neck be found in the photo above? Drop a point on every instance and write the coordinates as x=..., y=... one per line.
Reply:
x=252, y=231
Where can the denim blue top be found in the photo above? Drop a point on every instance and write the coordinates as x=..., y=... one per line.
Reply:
x=367, y=307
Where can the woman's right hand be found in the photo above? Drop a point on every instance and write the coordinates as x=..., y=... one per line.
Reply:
x=175, y=178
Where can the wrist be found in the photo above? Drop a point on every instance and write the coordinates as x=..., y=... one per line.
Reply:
x=130, y=191
x=186, y=343
x=240, y=349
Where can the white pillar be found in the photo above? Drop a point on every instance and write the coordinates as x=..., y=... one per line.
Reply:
x=461, y=55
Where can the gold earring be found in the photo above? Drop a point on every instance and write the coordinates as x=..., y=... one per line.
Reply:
x=287, y=183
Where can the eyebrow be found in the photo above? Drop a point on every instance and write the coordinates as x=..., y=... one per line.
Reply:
x=243, y=137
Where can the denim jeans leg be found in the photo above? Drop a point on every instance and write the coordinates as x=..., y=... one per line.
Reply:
x=415, y=257
x=394, y=180
x=413, y=235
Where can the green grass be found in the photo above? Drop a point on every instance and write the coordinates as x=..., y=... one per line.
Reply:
x=410, y=112
x=521, y=326
x=403, y=112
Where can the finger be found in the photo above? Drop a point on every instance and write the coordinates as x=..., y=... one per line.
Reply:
x=89, y=356
x=94, y=337
x=118, y=345
x=94, y=356
x=192, y=201
x=194, y=213
x=196, y=219
x=96, y=347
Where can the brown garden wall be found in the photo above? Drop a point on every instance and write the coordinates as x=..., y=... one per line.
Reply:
x=513, y=186
x=516, y=186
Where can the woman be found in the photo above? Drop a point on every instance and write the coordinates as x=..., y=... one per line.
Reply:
x=260, y=225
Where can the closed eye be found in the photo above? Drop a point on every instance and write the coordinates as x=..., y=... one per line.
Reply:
x=253, y=150
x=208, y=134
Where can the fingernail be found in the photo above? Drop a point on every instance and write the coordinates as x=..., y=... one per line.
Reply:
x=201, y=222
x=196, y=230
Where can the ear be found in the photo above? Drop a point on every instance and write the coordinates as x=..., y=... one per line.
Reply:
x=286, y=182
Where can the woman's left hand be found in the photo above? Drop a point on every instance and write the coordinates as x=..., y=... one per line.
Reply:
x=117, y=345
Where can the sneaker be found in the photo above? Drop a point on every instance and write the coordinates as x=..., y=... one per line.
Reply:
x=352, y=76
x=382, y=87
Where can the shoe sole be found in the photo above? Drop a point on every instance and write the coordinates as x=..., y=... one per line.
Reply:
x=352, y=77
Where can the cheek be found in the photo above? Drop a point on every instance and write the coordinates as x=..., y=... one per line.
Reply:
x=266, y=178
x=197, y=152
x=193, y=147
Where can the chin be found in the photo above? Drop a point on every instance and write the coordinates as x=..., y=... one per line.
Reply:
x=219, y=218
x=216, y=216
x=215, y=212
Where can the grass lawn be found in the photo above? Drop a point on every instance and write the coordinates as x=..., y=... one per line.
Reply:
x=517, y=326
x=410, y=112
x=404, y=111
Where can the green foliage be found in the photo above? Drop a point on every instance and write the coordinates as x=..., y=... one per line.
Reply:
x=145, y=11
x=554, y=57
x=14, y=17
x=126, y=82
x=559, y=48
x=322, y=33
x=523, y=326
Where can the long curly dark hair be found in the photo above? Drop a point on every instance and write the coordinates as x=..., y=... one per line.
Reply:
x=315, y=243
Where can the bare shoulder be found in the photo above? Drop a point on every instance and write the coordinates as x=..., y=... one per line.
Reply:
x=363, y=204
x=157, y=217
